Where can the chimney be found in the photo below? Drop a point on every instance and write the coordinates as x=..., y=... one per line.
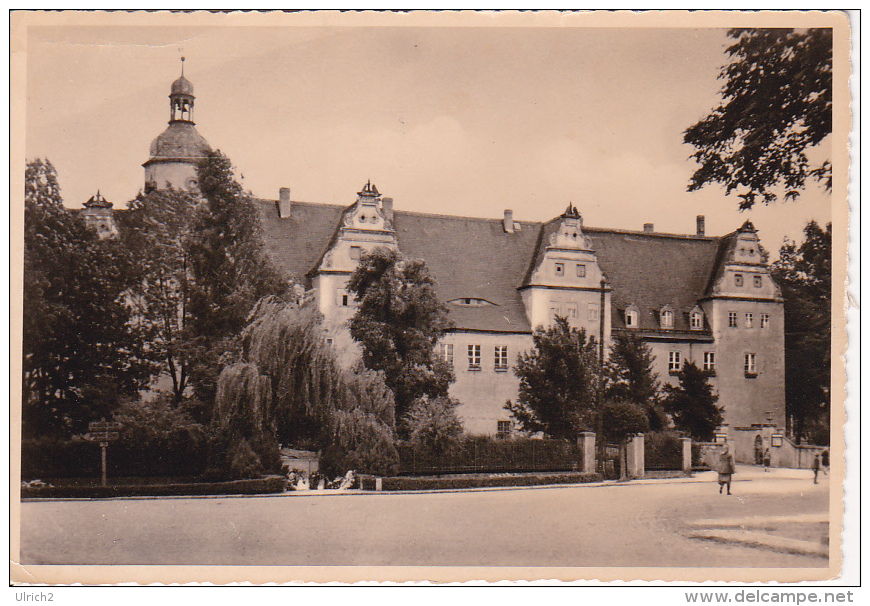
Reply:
x=387, y=207
x=508, y=221
x=285, y=207
x=648, y=228
x=700, y=221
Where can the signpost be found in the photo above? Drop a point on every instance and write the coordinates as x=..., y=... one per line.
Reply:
x=103, y=432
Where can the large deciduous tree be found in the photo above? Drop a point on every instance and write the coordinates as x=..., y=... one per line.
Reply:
x=558, y=380
x=804, y=274
x=398, y=323
x=82, y=351
x=204, y=267
x=692, y=404
x=776, y=105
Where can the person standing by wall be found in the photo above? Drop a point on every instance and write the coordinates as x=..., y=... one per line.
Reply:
x=767, y=460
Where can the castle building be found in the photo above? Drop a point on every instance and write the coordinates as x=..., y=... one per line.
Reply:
x=693, y=298
x=710, y=300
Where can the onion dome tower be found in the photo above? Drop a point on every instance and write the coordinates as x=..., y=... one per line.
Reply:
x=177, y=151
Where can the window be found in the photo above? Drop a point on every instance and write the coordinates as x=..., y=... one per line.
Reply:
x=342, y=299
x=355, y=252
x=732, y=319
x=667, y=318
x=474, y=357
x=756, y=281
x=330, y=341
x=504, y=429
x=447, y=353
x=631, y=318
x=555, y=309
x=765, y=320
x=592, y=312
x=581, y=270
x=697, y=320
x=560, y=269
x=749, y=368
x=747, y=320
x=674, y=361
x=738, y=280
x=572, y=311
x=709, y=361
x=501, y=357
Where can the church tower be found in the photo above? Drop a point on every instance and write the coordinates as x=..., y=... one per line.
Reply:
x=177, y=151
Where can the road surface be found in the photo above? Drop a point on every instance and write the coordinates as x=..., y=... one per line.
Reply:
x=632, y=524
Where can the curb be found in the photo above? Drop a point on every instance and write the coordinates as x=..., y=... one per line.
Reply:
x=759, y=539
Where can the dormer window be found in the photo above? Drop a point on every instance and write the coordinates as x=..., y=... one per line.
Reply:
x=667, y=318
x=471, y=302
x=560, y=269
x=696, y=320
x=738, y=280
x=631, y=318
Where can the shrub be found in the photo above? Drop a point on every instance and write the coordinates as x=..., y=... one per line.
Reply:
x=244, y=462
x=663, y=450
x=433, y=427
x=271, y=484
x=461, y=482
x=360, y=442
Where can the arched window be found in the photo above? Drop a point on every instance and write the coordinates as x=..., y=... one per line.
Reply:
x=667, y=318
x=632, y=318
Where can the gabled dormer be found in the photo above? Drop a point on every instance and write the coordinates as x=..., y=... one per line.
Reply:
x=566, y=259
x=632, y=316
x=742, y=271
x=667, y=318
x=564, y=278
x=696, y=319
x=365, y=225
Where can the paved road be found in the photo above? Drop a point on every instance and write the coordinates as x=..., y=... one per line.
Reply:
x=634, y=524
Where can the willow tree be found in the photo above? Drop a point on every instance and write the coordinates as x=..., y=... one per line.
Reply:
x=288, y=388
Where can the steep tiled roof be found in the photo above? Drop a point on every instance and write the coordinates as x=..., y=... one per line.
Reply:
x=654, y=270
x=179, y=140
x=475, y=258
x=297, y=242
x=472, y=258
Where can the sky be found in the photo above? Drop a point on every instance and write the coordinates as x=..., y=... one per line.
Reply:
x=451, y=120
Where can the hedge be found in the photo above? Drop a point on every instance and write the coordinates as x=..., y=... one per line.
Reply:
x=460, y=482
x=486, y=454
x=267, y=485
x=49, y=458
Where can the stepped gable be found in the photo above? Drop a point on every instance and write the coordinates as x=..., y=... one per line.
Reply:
x=472, y=258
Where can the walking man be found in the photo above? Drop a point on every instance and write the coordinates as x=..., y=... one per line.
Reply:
x=817, y=465
x=767, y=460
x=726, y=468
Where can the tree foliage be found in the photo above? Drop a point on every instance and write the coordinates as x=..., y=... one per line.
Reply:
x=558, y=379
x=156, y=228
x=776, y=104
x=398, y=323
x=804, y=275
x=82, y=351
x=692, y=404
x=631, y=377
x=623, y=419
x=433, y=427
x=204, y=268
x=288, y=388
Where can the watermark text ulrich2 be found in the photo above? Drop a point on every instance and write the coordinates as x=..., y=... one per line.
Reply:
x=752, y=596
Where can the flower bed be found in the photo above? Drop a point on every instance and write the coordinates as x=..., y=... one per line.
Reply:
x=476, y=481
x=267, y=485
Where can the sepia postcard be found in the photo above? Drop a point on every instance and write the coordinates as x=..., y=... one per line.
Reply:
x=424, y=296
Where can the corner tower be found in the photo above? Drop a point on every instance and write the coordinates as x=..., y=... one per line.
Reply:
x=177, y=151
